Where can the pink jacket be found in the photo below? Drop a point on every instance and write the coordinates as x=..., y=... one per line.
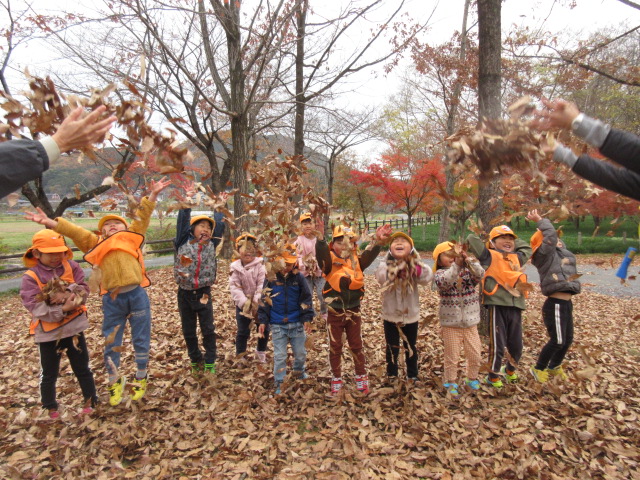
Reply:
x=305, y=247
x=246, y=281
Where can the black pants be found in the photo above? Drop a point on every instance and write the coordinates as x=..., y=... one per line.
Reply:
x=558, y=318
x=244, y=331
x=50, y=354
x=505, y=330
x=192, y=309
x=392, y=337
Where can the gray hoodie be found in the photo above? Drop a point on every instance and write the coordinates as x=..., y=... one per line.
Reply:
x=556, y=265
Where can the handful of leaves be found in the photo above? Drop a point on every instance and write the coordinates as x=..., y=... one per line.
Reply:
x=56, y=292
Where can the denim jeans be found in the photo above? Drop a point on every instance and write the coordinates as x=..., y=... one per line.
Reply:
x=191, y=310
x=135, y=307
x=317, y=284
x=281, y=336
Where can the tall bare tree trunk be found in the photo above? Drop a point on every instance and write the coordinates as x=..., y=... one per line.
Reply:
x=490, y=53
x=450, y=179
x=301, y=19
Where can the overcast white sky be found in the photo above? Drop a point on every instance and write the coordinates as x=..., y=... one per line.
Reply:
x=374, y=87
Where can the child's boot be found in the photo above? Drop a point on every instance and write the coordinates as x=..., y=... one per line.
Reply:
x=139, y=389
x=362, y=384
x=116, y=390
x=196, y=367
x=210, y=368
x=278, y=388
x=512, y=377
x=336, y=385
x=261, y=356
x=540, y=375
x=558, y=372
x=493, y=380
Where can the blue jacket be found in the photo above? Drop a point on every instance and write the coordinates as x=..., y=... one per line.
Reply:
x=291, y=301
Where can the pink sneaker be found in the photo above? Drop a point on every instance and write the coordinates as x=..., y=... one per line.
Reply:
x=86, y=411
x=362, y=384
x=54, y=414
x=336, y=386
x=261, y=356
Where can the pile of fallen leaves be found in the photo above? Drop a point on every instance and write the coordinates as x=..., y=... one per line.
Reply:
x=232, y=426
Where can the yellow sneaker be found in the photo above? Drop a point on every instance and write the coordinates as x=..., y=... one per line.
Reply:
x=540, y=375
x=558, y=372
x=116, y=390
x=139, y=389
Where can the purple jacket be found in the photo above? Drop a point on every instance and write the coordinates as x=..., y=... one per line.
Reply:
x=29, y=289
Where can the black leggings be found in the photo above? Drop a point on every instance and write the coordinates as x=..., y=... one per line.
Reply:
x=50, y=354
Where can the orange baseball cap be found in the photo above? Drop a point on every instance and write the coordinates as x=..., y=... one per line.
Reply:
x=501, y=230
x=305, y=216
x=46, y=241
x=288, y=254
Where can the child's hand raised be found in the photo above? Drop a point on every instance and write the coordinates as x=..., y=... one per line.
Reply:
x=383, y=233
x=319, y=228
x=157, y=187
x=534, y=216
x=40, y=217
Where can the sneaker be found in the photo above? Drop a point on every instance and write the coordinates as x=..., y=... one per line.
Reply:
x=452, y=389
x=472, y=384
x=54, y=414
x=511, y=377
x=278, y=388
x=540, y=375
x=362, y=384
x=139, y=389
x=261, y=356
x=336, y=385
x=86, y=411
x=196, y=367
x=494, y=383
x=210, y=368
x=558, y=372
x=116, y=390
x=300, y=376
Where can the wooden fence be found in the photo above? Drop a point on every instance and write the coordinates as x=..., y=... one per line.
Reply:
x=395, y=223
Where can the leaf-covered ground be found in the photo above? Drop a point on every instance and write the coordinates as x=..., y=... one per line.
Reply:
x=232, y=426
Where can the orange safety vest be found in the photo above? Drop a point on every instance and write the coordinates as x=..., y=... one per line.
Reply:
x=67, y=276
x=341, y=268
x=125, y=241
x=501, y=271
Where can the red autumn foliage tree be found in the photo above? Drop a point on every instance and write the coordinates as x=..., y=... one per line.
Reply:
x=406, y=183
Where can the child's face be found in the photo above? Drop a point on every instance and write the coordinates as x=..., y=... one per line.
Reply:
x=445, y=260
x=287, y=268
x=247, y=253
x=51, y=260
x=340, y=244
x=307, y=228
x=112, y=226
x=202, y=231
x=506, y=243
x=400, y=247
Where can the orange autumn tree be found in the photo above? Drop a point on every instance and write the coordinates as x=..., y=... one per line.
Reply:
x=406, y=183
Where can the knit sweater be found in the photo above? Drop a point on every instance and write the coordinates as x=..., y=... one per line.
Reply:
x=459, y=300
x=119, y=269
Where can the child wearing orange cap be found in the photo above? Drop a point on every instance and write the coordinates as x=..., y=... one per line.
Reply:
x=246, y=279
x=559, y=283
x=195, y=267
x=287, y=309
x=117, y=252
x=58, y=322
x=400, y=274
x=502, y=258
x=343, y=270
x=307, y=262
x=456, y=276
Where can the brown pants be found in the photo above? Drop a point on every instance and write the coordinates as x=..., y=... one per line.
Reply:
x=349, y=322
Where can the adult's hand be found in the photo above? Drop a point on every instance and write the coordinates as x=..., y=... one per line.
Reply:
x=77, y=132
x=556, y=114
